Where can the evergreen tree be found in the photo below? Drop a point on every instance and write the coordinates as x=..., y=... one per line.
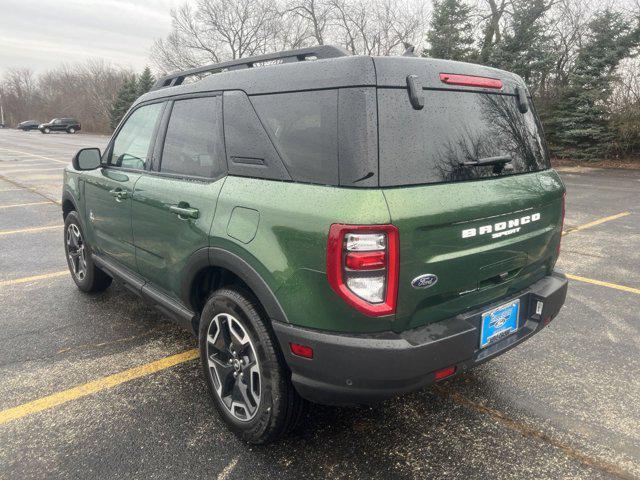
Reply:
x=126, y=96
x=580, y=121
x=145, y=81
x=450, y=34
x=525, y=47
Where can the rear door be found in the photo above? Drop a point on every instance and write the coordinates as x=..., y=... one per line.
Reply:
x=477, y=233
x=173, y=206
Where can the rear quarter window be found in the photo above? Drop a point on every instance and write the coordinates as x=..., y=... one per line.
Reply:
x=303, y=127
x=429, y=145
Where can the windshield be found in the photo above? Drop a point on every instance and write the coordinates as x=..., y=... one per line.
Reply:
x=455, y=129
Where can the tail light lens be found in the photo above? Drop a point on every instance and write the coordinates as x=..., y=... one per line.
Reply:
x=362, y=266
x=564, y=197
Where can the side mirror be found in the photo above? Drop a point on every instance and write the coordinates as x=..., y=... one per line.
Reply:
x=86, y=159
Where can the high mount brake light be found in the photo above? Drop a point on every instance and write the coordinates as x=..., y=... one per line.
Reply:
x=362, y=266
x=470, y=80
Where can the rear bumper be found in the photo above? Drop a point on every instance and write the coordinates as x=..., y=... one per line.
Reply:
x=355, y=369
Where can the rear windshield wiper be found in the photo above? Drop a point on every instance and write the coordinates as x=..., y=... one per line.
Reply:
x=481, y=162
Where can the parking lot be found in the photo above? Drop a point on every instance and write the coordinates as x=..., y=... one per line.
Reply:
x=103, y=386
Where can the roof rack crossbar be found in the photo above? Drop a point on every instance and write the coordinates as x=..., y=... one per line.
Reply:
x=288, y=56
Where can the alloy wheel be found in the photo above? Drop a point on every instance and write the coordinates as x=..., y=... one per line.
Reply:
x=76, y=252
x=234, y=366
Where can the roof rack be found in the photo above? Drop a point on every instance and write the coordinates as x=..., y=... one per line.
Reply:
x=287, y=56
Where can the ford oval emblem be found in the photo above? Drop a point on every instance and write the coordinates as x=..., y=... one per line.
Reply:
x=424, y=281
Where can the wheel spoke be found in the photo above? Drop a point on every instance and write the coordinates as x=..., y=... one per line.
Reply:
x=247, y=402
x=233, y=366
x=224, y=372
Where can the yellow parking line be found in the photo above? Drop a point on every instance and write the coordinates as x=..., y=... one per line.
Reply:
x=27, y=204
x=95, y=386
x=596, y=222
x=12, y=189
x=33, y=155
x=603, y=284
x=29, y=230
x=34, y=278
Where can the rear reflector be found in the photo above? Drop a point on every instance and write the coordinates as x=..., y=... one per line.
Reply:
x=445, y=372
x=470, y=80
x=301, y=350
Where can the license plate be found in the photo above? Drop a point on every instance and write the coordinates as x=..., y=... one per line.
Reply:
x=499, y=323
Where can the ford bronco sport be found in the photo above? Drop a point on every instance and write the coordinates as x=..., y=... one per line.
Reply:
x=334, y=228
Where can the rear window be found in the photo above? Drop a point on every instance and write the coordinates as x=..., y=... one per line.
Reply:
x=429, y=145
x=303, y=127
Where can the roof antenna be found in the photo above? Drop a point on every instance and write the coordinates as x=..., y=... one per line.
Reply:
x=410, y=50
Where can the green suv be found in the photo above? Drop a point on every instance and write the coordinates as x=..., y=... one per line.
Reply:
x=333, y=228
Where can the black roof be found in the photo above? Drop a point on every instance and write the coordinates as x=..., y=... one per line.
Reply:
x=336, y=69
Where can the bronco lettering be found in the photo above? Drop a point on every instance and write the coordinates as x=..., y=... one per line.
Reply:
x=500, y=227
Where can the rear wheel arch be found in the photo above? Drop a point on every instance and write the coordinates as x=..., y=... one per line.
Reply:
x=212, y=268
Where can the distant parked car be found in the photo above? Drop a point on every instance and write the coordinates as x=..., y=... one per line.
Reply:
x=2, y=125
x=28, y=125
x=69, y=125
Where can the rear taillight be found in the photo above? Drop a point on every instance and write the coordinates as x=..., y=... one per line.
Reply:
x=362, y=266
x=564, y=196
x=470, y=80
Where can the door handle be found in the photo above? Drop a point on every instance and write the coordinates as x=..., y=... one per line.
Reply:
x=184, y=212
x=119, y=194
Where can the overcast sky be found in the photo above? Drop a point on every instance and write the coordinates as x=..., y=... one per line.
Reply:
x=41, y=34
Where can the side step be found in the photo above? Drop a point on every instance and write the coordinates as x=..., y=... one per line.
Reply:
x=166, y=305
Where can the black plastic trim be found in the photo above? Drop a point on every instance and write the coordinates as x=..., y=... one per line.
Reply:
x=162, y=302
x=218, y=257
x=366, y=368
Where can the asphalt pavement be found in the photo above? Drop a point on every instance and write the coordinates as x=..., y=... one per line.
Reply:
x=92, y=386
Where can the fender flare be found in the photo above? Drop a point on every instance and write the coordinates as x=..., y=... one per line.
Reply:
x=67, y=195
x=218, y=257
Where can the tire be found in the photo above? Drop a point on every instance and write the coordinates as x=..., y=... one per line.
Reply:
x=276, y=407
x=71, y=130
x=46, y=130
x=88, y=277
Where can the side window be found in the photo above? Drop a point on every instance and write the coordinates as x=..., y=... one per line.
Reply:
x=304, y=128
x=131, y=146
x=193, y=144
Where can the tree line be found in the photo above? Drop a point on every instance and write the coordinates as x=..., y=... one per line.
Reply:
x=578, y=57
x=96, y=93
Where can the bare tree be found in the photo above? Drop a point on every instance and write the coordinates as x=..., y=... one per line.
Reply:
x=216, y=30
x=85, y=91
x=317, y=16
x=492, y=27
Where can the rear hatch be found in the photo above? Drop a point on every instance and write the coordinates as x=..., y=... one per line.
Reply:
x=469, y=234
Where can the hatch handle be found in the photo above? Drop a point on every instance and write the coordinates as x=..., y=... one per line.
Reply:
x=416, y=97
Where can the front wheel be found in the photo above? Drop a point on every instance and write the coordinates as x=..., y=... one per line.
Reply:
x=46, y=130
x=248, y=381
x=88, y=277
